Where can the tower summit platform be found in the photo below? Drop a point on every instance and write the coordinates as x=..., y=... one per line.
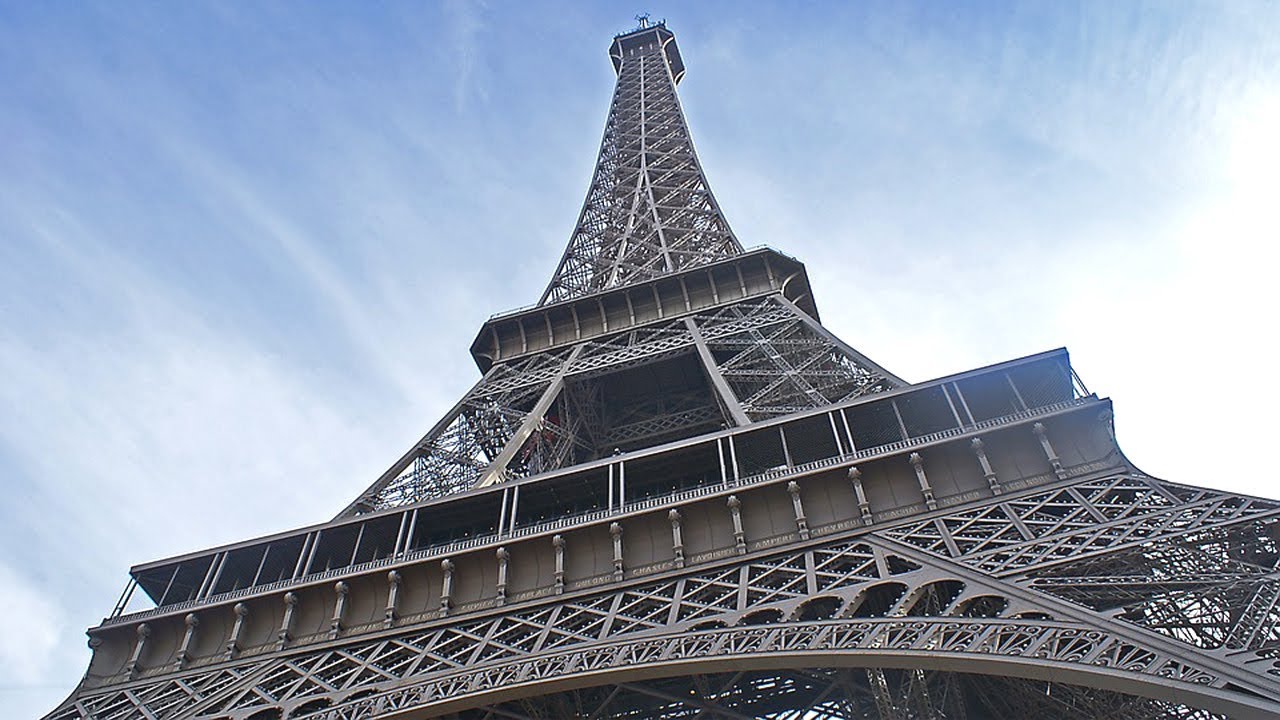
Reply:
x=645, y=38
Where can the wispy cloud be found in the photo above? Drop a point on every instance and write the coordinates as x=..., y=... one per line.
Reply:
x=965, y=191
x=242, y=260
x=465, y=20
x=33, y=629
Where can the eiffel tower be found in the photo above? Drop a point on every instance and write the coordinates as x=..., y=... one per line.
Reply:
x=673, y=493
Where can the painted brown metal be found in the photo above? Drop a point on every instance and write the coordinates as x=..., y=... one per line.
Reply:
x=674, y=493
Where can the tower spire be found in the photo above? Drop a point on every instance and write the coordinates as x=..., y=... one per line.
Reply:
x=649, y=210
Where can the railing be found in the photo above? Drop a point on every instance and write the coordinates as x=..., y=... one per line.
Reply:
x=443, y=550
x=526, y=308
x=512, y=311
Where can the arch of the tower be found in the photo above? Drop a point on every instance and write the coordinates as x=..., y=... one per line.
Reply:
x=840, y=692
x=851, y=668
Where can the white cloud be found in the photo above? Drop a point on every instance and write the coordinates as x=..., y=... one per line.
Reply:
x=959, y=198
x=31, y=627
x=152, y=435
x=465, y=21
x=34, y=642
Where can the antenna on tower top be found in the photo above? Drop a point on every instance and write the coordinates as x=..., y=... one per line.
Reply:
x=643, y=19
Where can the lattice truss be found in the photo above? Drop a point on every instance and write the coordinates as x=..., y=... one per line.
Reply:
x=649, y=210
x=775, y=359
x=829, y=694
x=1124, y=575
x=790, y=365
x=452, y=456
x=1215, y=586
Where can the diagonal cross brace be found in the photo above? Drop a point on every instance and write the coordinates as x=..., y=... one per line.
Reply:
x=497, y=471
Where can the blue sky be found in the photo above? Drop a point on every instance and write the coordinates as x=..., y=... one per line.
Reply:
x=244, y=247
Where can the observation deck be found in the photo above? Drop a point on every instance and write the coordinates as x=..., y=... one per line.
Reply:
x=645, y=37
x=920, y=420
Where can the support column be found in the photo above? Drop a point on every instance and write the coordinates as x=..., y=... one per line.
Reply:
x=515, y=506
x=393, y=598
x=184, y=652
x=802, y=524
x=286, y=625
x=341, y=589
x=502, y=513
x=400, y=538
x=311, y=556
x=215, y=566
x=848, y=431
x=257, y=574
x=557, y=542
x=1052, y=456
x=733, y=458
x=168, y=586
x=897, y=413
x=917, y=463
x=979, y=450
x=864, y=507
x=724, y=469
x=728, y=400
x=446, y=586
x=835, y=434
x=622, y=483
x=131, y=668
x=964, y=403
x=233, y=643
x=950, y=403
x=504, y=558
x=739, y=537
x=355, y=550
x=677, y=542
x=408, y=537
x=1016, y=394
x=616, y=531
x=132, y=585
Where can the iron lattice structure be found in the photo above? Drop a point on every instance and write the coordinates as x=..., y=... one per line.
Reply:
x=649, y=211
x=673, y=493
